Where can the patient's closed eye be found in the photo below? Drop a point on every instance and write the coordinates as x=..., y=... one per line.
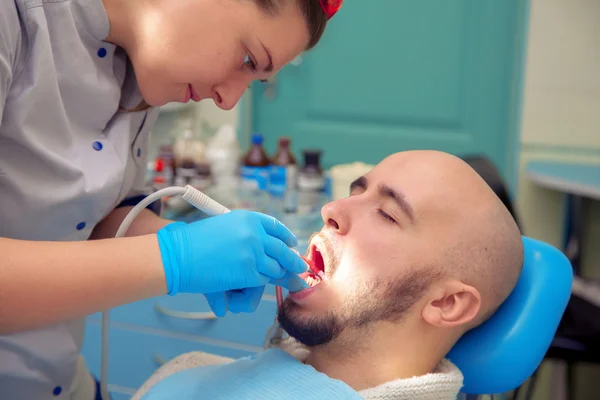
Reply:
x=386, y=216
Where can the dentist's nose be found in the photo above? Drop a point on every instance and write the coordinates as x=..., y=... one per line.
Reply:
x=226, y=96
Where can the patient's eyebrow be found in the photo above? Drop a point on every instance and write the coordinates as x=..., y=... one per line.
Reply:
x=389, y=192
x=399, y=199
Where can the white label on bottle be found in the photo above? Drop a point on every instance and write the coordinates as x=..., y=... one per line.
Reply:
x=186, y=172
x=254, y=177
x=282, y=178
x=311, y=182
x=292, y=176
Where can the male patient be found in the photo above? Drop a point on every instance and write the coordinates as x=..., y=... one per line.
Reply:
x=419, y=253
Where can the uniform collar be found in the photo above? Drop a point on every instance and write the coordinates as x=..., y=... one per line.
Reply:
x=94, y=16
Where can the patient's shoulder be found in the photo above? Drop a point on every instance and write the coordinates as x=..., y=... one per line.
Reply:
x=180, y=363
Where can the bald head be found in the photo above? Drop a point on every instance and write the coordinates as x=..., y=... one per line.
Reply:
x=421, y=251
x=477, y=238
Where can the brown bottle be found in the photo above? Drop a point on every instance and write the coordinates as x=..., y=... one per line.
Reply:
x=255, y=166
x=284, y=169
x=284, y=156
x=256, y=155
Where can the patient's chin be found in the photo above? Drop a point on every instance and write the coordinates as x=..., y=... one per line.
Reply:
x=306, y=329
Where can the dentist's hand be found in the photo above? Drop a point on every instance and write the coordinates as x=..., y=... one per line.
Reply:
x=229, y=257
x=247, y=300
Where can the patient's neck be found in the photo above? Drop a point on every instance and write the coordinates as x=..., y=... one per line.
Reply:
x=367, y=359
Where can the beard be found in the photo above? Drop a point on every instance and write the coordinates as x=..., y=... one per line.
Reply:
x=377, y=301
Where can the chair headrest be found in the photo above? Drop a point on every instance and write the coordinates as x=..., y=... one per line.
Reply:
x=503, y=352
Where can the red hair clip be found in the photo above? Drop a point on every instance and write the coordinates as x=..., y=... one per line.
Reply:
x=331, y=7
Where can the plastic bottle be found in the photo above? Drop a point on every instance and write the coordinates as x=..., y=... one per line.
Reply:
x=284, y=170
x=223, y=153
x=255, y=167
x=164, y=168
x=192, y=167
x=311, y=182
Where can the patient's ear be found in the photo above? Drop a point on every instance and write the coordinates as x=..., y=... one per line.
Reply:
x=452, y=304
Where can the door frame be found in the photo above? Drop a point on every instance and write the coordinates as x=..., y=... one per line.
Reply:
x=511, y=171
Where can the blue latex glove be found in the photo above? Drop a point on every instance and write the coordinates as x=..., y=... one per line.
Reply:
x=247, y=300
x=229, y=258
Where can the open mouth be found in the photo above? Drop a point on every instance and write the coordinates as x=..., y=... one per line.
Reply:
x=316, y=263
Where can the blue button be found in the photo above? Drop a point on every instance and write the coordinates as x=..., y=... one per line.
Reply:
x=102, y=52
x=97, y=146
x=139, y=152
x=80, y=226
x=57, y=390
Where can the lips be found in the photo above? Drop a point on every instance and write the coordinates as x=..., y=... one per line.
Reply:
x=194, y=96
x=188, y=94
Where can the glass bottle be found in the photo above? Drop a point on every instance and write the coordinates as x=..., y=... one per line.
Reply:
x=311, y=182
x=254, y=171
x=284, y=169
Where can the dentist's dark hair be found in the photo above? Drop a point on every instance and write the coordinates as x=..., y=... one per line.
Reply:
x=313, y=13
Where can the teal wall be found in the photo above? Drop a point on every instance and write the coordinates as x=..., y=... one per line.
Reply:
x=423, y=74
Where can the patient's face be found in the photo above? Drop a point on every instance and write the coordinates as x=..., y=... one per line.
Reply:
x=378, y=249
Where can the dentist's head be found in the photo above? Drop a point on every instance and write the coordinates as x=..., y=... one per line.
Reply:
x=420, y=252
x=212, y=49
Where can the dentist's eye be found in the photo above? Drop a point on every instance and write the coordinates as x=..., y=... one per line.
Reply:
x=249, y=63
x=386, y=216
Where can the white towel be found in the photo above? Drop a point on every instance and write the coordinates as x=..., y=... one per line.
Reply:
x=442, y=384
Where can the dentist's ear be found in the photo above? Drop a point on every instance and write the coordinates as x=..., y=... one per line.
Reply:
x=452, y=304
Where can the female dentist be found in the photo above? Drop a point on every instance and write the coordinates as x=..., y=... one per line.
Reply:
x=79, y=80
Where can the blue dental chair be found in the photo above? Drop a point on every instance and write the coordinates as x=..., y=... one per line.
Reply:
x=501, y=354
x=522, y=332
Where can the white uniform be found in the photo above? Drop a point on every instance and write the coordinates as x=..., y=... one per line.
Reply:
x=68, y=157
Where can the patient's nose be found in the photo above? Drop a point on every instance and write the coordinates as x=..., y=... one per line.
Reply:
x=335, y=217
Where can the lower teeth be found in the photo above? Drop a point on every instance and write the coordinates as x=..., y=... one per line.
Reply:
x=312, y=280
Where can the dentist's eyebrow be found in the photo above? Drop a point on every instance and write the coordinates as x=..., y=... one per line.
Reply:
x=386, y=191
x=269, y=67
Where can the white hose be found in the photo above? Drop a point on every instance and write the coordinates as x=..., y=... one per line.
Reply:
x=194, y=197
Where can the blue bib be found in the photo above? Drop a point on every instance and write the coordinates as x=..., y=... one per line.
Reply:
x=271, y=374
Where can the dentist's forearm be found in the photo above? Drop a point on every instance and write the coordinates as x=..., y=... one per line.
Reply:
x=43, y=283
x=145, y=223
